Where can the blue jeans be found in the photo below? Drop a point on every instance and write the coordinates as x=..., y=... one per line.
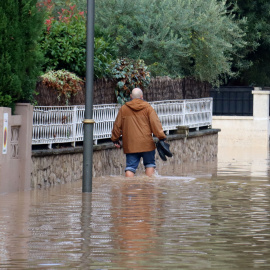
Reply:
x=133, y=159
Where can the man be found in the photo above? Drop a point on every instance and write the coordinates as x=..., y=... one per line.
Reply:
x=136, y=121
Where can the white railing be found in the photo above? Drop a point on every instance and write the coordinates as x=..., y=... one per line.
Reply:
x=62, y=124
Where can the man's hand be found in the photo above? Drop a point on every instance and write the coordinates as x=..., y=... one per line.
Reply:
x=118, y=144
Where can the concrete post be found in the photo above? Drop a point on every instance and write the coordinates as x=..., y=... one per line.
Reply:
x=260, y=104
x=25, y=143
x=261, y=114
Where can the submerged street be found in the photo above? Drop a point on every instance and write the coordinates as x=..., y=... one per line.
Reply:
x=216, y=216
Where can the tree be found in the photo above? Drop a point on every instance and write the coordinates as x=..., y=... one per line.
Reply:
x=198, y=38
x=10, y=83
x=257, y=52
x=20, y=56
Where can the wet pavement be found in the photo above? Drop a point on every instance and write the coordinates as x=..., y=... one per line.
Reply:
x=215, y=217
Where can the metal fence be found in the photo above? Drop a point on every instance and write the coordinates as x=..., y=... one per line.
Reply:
x=232, y=101
x=63, y=124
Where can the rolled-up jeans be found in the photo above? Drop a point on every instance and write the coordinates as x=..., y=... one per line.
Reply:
x=133, y=159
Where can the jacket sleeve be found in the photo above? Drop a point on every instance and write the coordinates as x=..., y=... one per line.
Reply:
x=117, y=127
x=156, y=126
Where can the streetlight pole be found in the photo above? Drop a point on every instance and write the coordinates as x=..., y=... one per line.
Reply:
x=88, y=121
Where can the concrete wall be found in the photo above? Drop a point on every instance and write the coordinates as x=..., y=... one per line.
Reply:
x=56, y=166
x=246, y=130
x=15, y=156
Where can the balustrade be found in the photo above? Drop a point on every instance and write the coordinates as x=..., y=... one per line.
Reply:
x=63, y=124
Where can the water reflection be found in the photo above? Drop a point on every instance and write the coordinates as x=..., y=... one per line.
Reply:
x=211, y=216
x=14, y=233
x=133, y=222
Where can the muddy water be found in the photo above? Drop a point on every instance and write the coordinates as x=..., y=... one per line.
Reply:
x=217, y=216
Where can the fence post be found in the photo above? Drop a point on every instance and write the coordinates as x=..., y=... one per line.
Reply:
x=211, y=110
x=74, y=125
x=184, y=113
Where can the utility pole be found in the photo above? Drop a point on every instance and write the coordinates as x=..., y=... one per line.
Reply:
x=88, y=121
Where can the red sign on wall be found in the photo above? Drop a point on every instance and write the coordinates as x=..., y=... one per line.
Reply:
x=5, y=133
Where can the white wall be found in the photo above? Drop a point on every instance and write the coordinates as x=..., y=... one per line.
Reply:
x=246, y=130
x=245, y=138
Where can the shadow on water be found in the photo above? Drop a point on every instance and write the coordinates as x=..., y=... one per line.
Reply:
x=215, y=215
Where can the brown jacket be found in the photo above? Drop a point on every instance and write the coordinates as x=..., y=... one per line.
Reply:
x=136, y=121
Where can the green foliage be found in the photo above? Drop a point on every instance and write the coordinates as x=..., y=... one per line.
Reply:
x=64, y=41
x=103, y=57
x=64, y=82
x=31, y=61
x=55, y=6
x=129, y=74
x=198, y=38
x=10, y=84
x=257, y=52
x=20, y=55
x=64, y=44
x=5, y=100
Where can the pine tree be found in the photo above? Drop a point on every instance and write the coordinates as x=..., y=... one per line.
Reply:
x=10, y=84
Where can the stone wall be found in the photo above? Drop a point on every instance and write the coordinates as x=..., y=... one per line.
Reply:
x=56, y=166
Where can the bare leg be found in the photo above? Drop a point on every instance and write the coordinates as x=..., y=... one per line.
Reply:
x=149, y=171
x=129, y=174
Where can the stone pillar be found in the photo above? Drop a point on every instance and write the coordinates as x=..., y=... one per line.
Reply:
x=25, y=110
x=261, y=114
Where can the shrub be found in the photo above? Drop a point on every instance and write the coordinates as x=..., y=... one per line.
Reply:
x=64, y=82
x=64, y=44
x=129, y=74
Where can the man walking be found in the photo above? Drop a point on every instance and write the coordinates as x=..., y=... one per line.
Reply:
x=136, y=121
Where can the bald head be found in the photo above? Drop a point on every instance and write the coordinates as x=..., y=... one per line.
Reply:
x=137, y=93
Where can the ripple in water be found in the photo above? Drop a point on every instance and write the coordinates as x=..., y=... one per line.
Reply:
x=201, y=220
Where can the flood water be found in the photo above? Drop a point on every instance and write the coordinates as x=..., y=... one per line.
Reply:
x=215, y=217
